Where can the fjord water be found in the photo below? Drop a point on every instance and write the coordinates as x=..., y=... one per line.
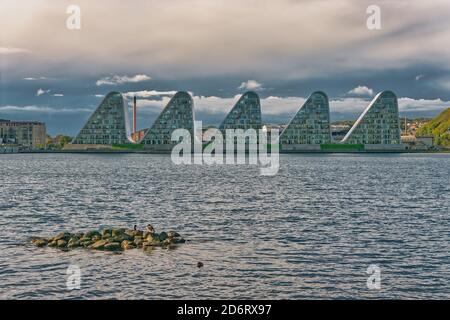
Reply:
x=311, y=231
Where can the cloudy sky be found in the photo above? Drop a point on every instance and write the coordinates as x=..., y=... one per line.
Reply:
x=217, y=49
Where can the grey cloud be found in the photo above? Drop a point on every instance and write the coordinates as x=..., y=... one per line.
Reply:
x=251, y=85
x=116, y=79
x=179, y=38
x=9, y=50
x=210, y=47
x=37, y=109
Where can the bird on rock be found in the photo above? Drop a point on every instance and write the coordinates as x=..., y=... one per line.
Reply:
x=150, y=228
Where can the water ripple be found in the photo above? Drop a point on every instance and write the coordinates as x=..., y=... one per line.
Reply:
x=309, y=232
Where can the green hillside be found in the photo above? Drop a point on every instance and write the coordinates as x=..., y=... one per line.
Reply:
x=438, y=127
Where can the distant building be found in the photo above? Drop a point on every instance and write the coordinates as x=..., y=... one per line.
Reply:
x=418, y=143
x=28, y=134
x=245, y=114
x=271, y=126
x=378, y=126
x=9, y=149
x=410, y=126
x=426, y=140
x=108, y=124
x=338, y=132
x=279, y=127
x=409, y=139
x=138, y=135
x=178, y=114
x=310, y=127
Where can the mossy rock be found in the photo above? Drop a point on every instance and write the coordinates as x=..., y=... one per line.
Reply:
x=52, y=243
x=145, y=234
x=99, y=245
x=153, y=237
x=125, y=236
x=39, y=242
x=113, y=246
x=86, y=244
x=117, y=232
x=62, y=236
x=126, y=245
x=149, y=245
x=106, y=232
x=92, y=234
x=163, y=236
x=130, y=232
x=74, y=244
x=173, y=234
x=118, y=239
x=134, y=233
x=138, y=241
x=148, y=248
x=73, y=238
x=177, y=240
x=61, y=243
x=110, y=239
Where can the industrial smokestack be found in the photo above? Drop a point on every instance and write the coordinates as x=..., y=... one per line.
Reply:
x=134, y=115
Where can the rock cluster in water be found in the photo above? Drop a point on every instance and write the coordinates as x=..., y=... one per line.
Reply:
x=111, y=240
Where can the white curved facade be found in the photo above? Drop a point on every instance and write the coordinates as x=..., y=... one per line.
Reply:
x=245, y=114
x=178, y=114
x=378, y=124
x=310, y=127
x=108, y=124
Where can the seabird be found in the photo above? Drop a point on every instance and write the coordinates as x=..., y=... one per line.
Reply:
x=150, y=228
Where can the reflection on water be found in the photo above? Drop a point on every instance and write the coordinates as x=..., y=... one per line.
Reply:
x=309, y=232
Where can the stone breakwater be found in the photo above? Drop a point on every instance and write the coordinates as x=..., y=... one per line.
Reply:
x=111, y=240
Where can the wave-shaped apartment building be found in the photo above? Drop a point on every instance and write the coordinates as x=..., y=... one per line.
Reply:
x=377, y=128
